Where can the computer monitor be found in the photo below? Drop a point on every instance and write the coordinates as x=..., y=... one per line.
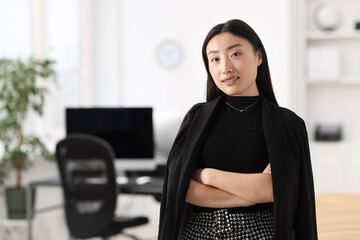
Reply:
x=128, y=130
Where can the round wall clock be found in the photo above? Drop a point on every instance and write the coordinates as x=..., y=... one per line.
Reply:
x=169, y=54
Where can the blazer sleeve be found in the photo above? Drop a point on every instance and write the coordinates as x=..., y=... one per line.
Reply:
x=182, y=130
x=305, y=222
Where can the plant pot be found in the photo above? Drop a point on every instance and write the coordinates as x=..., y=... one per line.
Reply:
x=16, y=202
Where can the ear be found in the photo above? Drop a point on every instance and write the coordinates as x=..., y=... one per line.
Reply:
x=259, y=57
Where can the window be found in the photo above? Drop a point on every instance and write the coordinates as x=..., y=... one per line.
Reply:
x=15, y=25
x=64, y=48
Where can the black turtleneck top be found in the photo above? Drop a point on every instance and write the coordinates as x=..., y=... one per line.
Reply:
x=235, y=141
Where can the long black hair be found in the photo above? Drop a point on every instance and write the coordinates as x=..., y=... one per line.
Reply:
x=241, y=29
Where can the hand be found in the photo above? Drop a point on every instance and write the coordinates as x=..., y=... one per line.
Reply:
x=267, y=169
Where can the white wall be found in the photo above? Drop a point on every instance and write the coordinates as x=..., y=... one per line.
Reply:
x=119, y=40
x=147, y=23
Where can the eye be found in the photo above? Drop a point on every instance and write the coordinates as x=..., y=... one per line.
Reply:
x=214, y=59
x=235, y=54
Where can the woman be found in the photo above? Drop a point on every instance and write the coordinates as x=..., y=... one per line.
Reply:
x=240, y=165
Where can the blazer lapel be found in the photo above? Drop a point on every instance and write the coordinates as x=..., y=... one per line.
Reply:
x=275, y=135
x=200, y=122
x=282, y=165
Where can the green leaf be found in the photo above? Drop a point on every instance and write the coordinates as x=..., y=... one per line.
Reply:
x=22, y=88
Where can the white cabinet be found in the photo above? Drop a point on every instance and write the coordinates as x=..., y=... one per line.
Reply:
x=328, y=83
x=336, y=167
x=331, y=66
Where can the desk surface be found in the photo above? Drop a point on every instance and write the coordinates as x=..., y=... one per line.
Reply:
x=130, y=186
x=338, y=216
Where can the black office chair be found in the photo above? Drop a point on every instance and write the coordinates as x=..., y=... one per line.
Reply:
x=89, y=184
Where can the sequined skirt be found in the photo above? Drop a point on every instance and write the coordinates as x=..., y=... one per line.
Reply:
x=222, y=224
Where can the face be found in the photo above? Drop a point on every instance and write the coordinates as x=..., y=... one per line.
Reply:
x=233, y=64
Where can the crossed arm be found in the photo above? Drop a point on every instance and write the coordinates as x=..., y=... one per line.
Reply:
x=220, y=189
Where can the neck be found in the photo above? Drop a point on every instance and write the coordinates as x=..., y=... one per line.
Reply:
x=253, y=91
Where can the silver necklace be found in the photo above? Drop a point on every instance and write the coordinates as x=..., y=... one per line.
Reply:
x=241, y=110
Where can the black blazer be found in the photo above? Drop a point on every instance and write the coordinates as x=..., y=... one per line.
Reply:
x=288, y=149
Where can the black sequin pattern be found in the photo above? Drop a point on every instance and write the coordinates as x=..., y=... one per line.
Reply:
x=221, y=224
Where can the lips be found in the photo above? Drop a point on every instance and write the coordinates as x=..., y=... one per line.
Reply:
x=230, y=80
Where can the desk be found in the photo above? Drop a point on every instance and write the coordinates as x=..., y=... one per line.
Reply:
x=130, y=186
x=338, y=216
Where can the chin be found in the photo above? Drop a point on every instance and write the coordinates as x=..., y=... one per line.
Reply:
x=233, y=93
x=243, y=92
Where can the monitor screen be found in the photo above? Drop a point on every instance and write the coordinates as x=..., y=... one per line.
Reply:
x=128, y=130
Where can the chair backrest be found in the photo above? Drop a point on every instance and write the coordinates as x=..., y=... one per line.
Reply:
x=87, y=173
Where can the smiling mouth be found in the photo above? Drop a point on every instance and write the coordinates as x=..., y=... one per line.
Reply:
x=231, y=80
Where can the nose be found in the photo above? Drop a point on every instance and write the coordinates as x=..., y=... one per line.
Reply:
x=226, y=66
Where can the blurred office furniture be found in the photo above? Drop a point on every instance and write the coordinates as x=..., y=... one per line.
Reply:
x=90, y=190
x=336, y=166
x=129, y=131
x=145, y=177
x=338, y=216
x=133, y=176
x=328, y=83
x=125, y=185
x=327, y=73
x=329, y=128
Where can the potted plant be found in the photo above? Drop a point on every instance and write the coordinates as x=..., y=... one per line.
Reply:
x=22, y=90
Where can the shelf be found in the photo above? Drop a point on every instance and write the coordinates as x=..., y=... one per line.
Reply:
x=335, y=81
x=344, y=144
x=333, y=35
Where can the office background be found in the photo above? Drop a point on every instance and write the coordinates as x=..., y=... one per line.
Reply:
x=106, y=54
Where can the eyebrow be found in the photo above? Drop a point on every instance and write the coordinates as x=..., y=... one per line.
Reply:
x=228, y=48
